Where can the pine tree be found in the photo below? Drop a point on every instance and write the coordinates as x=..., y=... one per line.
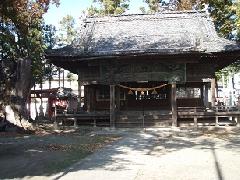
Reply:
x=108, y=7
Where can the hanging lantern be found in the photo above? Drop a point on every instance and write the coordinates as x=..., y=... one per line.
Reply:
x=130, y=92
x=154, y=91
x=142, y=92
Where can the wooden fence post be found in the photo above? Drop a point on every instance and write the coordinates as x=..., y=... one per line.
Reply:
x=112, y=106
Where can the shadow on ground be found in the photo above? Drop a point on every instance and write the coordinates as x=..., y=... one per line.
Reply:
x=159, y=142
x=26, y=156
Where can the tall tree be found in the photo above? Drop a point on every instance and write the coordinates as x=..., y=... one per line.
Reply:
x=225, y=17
x=223, y=14
x=153, y=5
x=237, y=8
x=49, y=38
x=49, y=35
x=21, y=53
x=108, y=7
x=186, y=4
x=67, y=31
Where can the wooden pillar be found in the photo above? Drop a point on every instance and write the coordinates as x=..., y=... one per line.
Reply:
x=213, y=94
x=238, y=120
x=88, y=99
x=94, y=122
x=75, y=122
x=117, y=98
x=174, y=104
x=55, y=123
x=216, y=118
x=79, y=91
x=63, y=79
x=202, y=93
x=89, y=91
x=205, y=95
x=112, y=106
x=195, y=121
x=59, y=77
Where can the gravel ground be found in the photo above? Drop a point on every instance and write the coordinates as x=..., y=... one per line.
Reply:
x=163, y=154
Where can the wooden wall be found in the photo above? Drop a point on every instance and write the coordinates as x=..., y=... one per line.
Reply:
x=109, y=72
x=129, y=102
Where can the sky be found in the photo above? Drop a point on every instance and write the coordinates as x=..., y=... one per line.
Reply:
x=75, y=7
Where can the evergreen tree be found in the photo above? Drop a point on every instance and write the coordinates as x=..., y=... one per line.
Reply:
x=22, y=52
x=67, y=31
x=108, y=7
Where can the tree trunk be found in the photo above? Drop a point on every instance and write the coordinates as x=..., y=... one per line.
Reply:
x=15, y=108
x=35, y=104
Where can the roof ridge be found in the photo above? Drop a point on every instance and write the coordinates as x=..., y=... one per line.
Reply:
x=150, y=14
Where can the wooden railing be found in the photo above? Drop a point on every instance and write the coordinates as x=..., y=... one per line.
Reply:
x=94, y=116
x=215, y=112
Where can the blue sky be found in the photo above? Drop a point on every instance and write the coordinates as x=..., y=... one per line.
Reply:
x=75, y=7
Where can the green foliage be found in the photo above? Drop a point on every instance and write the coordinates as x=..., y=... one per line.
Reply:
x=70, y=76
x=187, y=4
x=67, y=31
x=153, y=5
x=49, y=38
x=92, y=11
x=143, y=10
x=108, y=7
x=224, y=16
x=21, y=36
x=236, y=7
x=49, y=35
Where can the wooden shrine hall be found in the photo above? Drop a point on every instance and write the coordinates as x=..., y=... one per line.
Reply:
x=147, y=70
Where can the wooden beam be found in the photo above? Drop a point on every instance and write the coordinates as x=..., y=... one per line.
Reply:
x=112, y=106
x=174, y=104
x=213, y=90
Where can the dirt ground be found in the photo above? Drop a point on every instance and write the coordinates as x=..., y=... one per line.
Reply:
x=208, y=153
x=47, y=152
x=131, y=154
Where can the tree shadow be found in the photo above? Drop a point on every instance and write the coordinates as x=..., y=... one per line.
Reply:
x=119, y=154
x=150, y=143
x=216, y=163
